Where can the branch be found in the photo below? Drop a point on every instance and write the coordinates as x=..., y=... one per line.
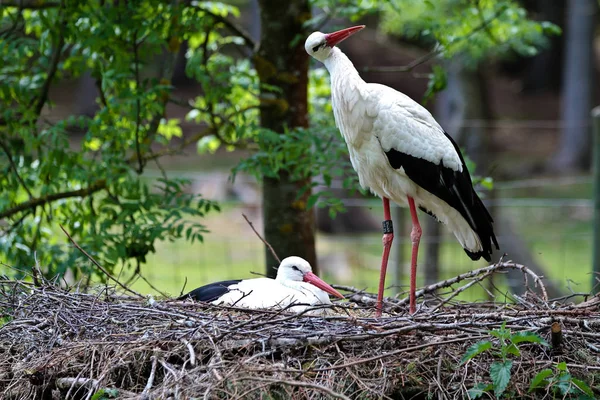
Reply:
x=423, y=59
x=40, y=201
x=263, y=240
x=235, y=28
x=14, y=167
x=314, y=386
x=481, y=271
x=30, y=4
x=39, y=104
x=408, y=67
x=138, y=104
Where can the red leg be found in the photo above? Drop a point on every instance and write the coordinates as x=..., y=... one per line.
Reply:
x=415, y=237
x=388, y=237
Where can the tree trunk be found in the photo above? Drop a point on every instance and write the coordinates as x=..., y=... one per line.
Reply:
x=544, y=71
x=574, y=148
x=282, y=62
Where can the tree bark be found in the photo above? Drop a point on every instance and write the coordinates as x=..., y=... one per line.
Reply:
x=282, y=62
x=574, y=148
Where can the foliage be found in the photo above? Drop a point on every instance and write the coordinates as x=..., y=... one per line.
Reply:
x=500, y=370
x=561, y=383
x=493, y=28
x=96, y=189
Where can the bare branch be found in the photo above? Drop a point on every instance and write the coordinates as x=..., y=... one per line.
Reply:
x=97, y=264
x=315, y=386
x=235, y=28
x=439, y=50
x=40, y=201
x=263, y=240
x=57, y=51
x=14, y=167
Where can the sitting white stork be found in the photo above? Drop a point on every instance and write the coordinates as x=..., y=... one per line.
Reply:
x=401, y=153
x=295, y=288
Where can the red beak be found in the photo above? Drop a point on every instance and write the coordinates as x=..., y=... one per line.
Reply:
x=311, y=278
x=336, y=37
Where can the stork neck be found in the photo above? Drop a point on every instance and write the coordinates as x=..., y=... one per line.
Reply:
x=340, y=67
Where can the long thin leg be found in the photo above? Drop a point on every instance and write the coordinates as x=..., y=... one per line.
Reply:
x=415, y=237
x=388, y=237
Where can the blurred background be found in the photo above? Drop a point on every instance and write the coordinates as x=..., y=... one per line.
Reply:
x=520, y=114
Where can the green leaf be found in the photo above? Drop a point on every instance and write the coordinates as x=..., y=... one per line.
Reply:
x=500, y=374
x=104, y=394
x=540, y=379
x=312, y=200
x=475, y=350
x=479, y=390
x=529, y=337
x=429, y=4
x=512, y=349
x=93, y=144
x=561, y=366
x=581, y=385
x=437, y=82
x=169, y=128
x=487, y=183
x=208, y=144
x=563, y=383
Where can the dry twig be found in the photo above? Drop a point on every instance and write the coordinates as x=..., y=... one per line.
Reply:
x=80, y=343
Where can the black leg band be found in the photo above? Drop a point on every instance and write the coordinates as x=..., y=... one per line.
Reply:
x=388, y=227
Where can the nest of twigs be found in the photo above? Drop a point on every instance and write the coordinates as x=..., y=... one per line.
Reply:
x=61, y=343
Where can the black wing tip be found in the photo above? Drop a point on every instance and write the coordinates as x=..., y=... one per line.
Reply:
x=478, y=254
x=487, y=251
x=210, y=292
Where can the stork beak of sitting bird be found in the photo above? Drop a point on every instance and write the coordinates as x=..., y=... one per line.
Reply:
x=336, y=37
x=311, y=278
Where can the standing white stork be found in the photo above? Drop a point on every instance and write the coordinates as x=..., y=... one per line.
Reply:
x=401, y=153
x=295, y=283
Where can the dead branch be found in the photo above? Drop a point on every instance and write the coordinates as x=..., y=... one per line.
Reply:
x=261, y=238
x=486, y=271
x=97, y=264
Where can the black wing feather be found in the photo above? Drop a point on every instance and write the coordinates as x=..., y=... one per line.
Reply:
x=210, y=292
x=453, y=187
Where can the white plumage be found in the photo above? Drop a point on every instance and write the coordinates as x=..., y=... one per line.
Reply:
x=295, y=288
x=401, y=153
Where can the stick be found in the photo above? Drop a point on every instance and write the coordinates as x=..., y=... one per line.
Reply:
x=324, y=389
x=98, y=264
x=151, y=377
x=191, y=350
x=263, y=240
x=471, y=274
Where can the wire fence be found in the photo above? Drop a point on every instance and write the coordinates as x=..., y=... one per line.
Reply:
x=553, y=233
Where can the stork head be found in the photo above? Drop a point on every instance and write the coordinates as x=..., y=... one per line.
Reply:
x=299, y=270
x=319, y=45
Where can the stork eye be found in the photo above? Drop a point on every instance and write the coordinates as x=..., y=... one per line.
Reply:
x=295, y=268
x=317, y=47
